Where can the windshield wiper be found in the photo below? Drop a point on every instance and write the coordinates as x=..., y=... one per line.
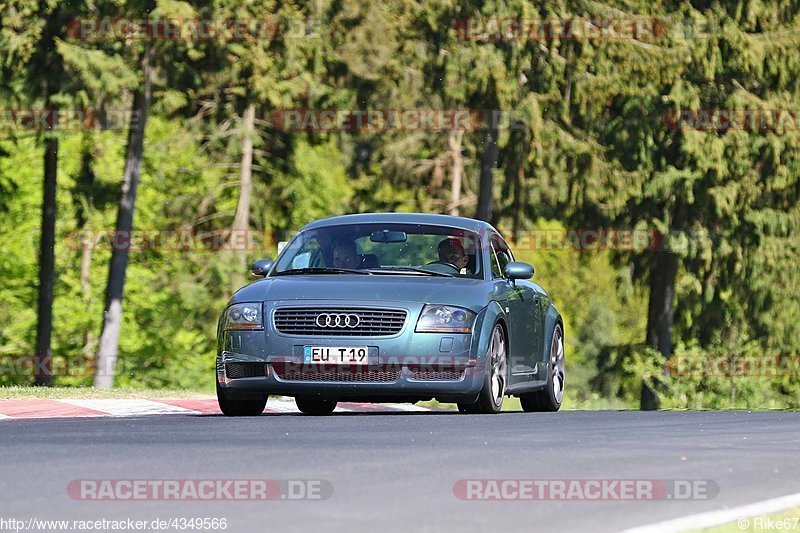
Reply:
x=412, y=269
x=321, y=270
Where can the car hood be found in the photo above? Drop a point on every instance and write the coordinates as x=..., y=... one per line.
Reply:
x=469, y=293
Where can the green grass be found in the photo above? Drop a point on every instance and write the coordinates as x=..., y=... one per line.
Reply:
x=87, y=393
x=789, y=521
x=437, y=405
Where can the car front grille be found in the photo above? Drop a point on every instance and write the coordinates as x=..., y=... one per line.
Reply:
x=372, y=322
x=345, y=374
x=245, y=370
x=437, y=375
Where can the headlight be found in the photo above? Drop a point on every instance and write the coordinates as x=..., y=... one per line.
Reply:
x=445, y=318
x=244, y=316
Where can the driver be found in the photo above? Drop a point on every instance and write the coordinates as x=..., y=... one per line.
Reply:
x=452, y=251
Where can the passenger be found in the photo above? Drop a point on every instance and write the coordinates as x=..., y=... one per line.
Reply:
x=345, y=255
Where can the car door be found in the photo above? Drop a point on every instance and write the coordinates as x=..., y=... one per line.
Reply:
x=520, y=300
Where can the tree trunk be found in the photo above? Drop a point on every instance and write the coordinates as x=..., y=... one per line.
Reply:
x=518, y=203
x=86, y=289
x=84, y=212
x=488, y=164
x=660, y=314
x=112, y=316
x=44, y=325
x=241, y=221
x=454, y=144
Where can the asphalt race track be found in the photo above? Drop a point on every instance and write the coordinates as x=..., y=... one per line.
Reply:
x=397, y=471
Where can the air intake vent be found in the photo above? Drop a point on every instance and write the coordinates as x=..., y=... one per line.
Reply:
x=347, y=374
x=438, y=375
x=245, y=370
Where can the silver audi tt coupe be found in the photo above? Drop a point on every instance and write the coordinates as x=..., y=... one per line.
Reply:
x=391, y=308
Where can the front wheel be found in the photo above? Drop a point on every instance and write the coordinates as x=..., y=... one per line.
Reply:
x=550, y=397
x=315, y=406
x=468, y=408
x=230, y=407
x=490, y=399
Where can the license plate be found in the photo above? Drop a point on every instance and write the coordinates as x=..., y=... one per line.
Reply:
x=336, y=355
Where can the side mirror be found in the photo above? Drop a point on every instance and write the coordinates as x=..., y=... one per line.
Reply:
x=518, y=270
x=261, y=267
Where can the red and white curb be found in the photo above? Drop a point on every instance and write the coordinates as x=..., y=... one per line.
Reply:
x=67, y=408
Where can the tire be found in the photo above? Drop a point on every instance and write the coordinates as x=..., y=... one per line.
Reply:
x=315, y=406
x=469, y=408
x=490, y=399
x=550, y=397
x=240, y=407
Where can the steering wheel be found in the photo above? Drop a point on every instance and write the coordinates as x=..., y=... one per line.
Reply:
x=445, y=263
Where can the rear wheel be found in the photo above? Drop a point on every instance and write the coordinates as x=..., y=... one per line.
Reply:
x=490, y=399
x=315, y=406
x=550, y=397
x=230, y=407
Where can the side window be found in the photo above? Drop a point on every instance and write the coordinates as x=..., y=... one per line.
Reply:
x=501, y=256
x=309, y=258
x=497, y=272
x=301, y=260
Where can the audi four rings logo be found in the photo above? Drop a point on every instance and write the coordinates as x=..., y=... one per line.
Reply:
x=334, y=320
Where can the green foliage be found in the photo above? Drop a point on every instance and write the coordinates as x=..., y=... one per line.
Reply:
x=18, y=249
x=318, y=185
x=599, y=302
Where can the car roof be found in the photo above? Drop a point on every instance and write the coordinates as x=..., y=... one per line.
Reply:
x=405, y=218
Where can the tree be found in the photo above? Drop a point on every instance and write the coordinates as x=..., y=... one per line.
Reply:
x=112, y=315
x=710, y=193
x=30, y=31
x=457, y=171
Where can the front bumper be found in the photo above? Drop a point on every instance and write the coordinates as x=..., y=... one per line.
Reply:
x=407, y=366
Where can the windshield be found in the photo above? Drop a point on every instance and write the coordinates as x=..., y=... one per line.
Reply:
x=408, y=249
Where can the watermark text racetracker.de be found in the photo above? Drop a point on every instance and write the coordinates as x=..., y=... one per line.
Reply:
x=727, y=366
x=408, y=119
x=722, y=120
x=183, y=240
x=68, y=120
x=194, y=523
x=192, y=29
x=559, y=28
x=584, y=489
x=199, y=489
x=586, y=239
x=28, y=365
x=623, y=28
